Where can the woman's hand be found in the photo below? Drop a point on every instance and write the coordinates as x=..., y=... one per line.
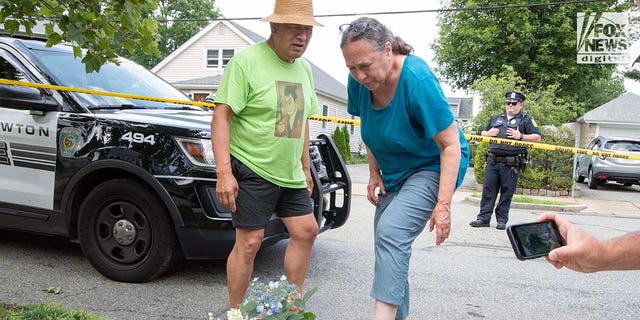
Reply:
x=375, y=182
x=441, y=220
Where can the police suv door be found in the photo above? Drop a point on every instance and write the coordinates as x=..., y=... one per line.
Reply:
x=27, y=148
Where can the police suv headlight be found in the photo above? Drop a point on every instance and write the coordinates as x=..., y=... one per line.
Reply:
x=199, y=151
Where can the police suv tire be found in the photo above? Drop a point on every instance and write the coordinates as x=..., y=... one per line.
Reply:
x=126, y=233
x=593, y=182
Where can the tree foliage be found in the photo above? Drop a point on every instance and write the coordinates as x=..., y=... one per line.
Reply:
x=633, y=74
x=538, y=42
x=543, y=105
x=341, y=139
x=178, y=21
x=144, y=30
x=100, y=27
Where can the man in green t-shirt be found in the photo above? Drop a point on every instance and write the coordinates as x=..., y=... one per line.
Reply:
x=260, y=136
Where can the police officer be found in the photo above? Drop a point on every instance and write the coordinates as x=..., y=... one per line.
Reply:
x=504, y=162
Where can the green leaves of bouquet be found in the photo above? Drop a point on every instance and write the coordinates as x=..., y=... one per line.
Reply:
x=278, y=300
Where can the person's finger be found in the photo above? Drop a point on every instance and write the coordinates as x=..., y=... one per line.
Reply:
x=372, y=198
x=232, y=205
x=549, y=215
x=556, y=264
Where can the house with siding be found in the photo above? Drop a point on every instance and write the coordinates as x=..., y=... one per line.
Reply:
x=616, y=118
x=462, y=108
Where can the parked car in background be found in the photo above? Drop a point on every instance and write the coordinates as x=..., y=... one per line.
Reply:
x=601, y=169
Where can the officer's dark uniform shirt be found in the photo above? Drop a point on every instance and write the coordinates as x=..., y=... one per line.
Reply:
x=522, y=121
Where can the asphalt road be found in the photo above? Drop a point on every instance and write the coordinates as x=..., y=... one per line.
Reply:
x=474, y=275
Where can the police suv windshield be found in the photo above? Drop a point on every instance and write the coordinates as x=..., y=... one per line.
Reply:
x=128, y=78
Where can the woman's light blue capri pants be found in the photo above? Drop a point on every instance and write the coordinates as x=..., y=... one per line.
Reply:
x=400, y=217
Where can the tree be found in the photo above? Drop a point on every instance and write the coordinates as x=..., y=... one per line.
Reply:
x=100, y=27
x=551, y=170
x=178, y=21
x=341, y=139
x=538, y=42
x=543, y=105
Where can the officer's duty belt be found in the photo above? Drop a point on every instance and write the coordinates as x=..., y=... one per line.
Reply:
x=509, y=160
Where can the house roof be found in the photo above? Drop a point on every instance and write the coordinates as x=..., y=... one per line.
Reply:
x=625, y=109
x=204, y=82
x=464, y=105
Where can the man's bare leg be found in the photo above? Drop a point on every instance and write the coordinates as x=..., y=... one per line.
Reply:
x=303, y=231
x=240, y=264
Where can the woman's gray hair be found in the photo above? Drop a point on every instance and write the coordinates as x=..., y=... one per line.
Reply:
x=376, y=33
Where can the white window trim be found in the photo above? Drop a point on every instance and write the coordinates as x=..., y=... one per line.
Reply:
x=220, y=57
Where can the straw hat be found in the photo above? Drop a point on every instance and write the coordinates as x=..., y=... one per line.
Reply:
x=293, y=11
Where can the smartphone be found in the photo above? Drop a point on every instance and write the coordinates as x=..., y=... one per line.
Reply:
x=534, y=239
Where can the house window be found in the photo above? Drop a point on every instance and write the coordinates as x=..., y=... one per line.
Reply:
x=219, y=58
x=227, y=54
x=325, y=112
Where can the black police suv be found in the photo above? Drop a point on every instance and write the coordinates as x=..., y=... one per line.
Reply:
x=131, y=180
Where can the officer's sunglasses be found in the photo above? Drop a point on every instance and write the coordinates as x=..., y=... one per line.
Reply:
x=512, y=103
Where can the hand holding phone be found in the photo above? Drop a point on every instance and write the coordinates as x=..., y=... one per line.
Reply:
x=534, y=239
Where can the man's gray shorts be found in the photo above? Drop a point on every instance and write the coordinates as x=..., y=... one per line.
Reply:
x=258, y=199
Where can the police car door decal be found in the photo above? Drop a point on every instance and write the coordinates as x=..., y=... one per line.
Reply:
x=27, y=158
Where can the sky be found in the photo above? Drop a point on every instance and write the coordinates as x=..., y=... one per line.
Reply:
x=417, y=29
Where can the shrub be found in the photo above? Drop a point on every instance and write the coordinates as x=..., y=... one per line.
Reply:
x=341, y=139
x=551, y=170
x=479, y=161
x=532, y=178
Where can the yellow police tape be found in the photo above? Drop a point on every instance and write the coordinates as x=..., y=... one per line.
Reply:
x=134, y=96
x=549, y=147
x=469, y=137
x=104, y=93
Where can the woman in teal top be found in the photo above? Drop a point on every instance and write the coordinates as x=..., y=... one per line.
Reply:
x=417, y=153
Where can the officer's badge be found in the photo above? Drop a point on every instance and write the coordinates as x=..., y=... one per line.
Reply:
x=69, y=141
x=513, y=122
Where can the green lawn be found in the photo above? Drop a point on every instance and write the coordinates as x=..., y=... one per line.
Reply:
x=43, y=311
x=525, y=199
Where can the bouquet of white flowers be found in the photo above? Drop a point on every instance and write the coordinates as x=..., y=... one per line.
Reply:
x=279, y=300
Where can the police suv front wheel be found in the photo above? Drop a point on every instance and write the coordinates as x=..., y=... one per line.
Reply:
x=125, y=232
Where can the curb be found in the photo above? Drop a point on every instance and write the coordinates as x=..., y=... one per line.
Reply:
x=536, y=206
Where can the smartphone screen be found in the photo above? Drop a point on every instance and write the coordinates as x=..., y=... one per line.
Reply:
x=534, y=239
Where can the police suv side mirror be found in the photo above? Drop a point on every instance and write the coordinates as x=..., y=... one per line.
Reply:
x=26, y=98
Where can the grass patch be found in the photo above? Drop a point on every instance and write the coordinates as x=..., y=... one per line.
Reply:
x=357, y=160
x=525, y=199
x=43, y=311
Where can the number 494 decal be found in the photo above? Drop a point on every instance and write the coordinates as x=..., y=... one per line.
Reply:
x=137, y=137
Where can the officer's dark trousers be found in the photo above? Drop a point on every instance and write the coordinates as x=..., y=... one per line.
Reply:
x=498, y=177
